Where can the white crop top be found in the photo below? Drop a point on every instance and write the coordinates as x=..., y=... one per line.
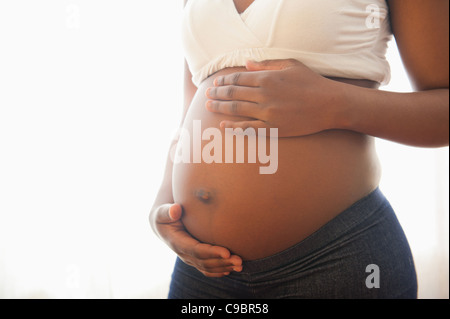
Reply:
x=336, y=38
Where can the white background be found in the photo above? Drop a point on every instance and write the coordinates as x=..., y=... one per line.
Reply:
x=90, y=96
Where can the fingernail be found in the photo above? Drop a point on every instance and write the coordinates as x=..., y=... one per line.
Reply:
x=210, y=92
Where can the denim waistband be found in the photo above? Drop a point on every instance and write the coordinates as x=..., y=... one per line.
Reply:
x=343, y=223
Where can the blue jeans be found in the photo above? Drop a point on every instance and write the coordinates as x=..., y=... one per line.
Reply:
x=361, y=253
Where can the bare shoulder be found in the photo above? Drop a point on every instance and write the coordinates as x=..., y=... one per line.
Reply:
x=421, y=30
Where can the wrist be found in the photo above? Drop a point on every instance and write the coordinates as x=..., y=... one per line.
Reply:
x=152, y=221
x=339, y=107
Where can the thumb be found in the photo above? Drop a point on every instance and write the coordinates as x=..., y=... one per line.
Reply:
x=267, y=65
x=168, y=213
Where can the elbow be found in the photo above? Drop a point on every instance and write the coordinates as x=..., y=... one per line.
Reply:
x=438, y=140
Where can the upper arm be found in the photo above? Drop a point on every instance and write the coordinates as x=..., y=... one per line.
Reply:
x=421, y=30
x=189, y=88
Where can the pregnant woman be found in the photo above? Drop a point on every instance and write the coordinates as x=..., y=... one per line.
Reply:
x=272, y=191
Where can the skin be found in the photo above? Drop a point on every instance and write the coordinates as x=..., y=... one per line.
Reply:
x=302, y=108
x=287, y=95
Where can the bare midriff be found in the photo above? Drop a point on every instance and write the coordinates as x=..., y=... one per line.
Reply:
x=256, y=215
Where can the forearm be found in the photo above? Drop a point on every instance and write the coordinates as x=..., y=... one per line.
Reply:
x=165, y=195
x=418, y=119
x=165, y=192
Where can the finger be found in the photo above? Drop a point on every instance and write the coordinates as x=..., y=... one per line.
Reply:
x=237, y=261
x=216, y=266
x=243, y=125
x=237, y=79
x=207, y=251
x=175, y=212
x=206, y=258
x=231, y=92
x=213, y=267
x=189, y=246
x=241, y=108
x=234, y=261
x=214, y=275
x=168, y=213
x=271, y=64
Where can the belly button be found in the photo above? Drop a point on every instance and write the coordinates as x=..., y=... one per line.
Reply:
x=203, y=195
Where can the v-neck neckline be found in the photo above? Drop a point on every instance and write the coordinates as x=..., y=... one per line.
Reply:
x=242, y=18
x=246, y=9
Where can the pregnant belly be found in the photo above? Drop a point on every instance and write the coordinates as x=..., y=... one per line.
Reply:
x=259, y=196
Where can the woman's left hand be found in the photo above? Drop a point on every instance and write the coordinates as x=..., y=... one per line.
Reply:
x=282, y=94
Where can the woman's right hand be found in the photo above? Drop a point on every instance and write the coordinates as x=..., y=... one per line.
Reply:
x=211, y=261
